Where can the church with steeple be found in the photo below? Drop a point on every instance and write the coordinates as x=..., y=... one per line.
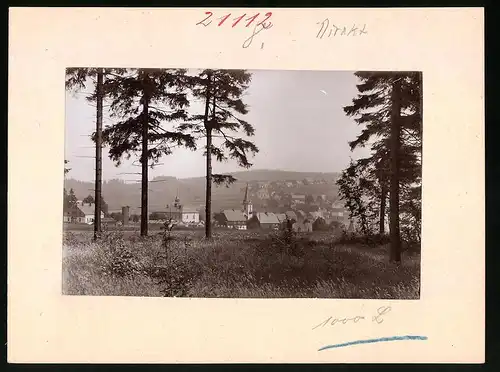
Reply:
x=247, y=205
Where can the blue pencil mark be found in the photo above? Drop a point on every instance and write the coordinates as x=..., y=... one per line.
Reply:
x=373, y=340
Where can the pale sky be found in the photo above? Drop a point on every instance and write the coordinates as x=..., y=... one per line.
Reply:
x=298, y=119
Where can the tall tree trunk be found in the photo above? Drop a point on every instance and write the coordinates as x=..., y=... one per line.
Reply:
x=394, y=187
x=383, y=199
x=208, y=195
x=421, y=108
x=144, y=188
x=98, y=156
x=421, y=113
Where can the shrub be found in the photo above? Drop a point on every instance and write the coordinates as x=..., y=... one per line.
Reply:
x=106, y=267
x=121, y=262
x=283, y=242
x=118, y=258
x=371, y=240
x=320, y=225
x=178, y=272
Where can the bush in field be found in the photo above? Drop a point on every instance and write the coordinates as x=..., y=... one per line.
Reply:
x=371, y=240
x=177, y=273
x=284, y=242
x=121, y=262
x=111, y=266
x=174, y=280
x=118, y=259
x=320, y=225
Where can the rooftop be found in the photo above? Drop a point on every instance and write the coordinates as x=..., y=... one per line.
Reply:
x=281, y=217
x=87, y=208
x=233, y=215
x=265, y=217
x=190, y=209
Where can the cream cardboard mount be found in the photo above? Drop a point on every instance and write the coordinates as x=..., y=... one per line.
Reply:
x=445, y=325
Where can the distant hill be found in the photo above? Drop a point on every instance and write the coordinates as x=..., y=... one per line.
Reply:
x=163, y=190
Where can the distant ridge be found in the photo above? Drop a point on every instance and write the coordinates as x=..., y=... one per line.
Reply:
x=163, y=191
x=276, y=175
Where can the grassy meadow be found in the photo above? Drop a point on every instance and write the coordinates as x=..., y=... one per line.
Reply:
x=241, y=264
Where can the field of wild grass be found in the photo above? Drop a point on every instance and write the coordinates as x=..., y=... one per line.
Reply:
x=234, y=264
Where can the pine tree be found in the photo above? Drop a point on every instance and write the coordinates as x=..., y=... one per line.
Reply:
x=72, y=200
x=389, y=109
x=143, y=101
x=104, y=206
x=65, y=200
x=76, y=80
x=354, y=186
x=66, y=170
x=219, y=124
x=395, y=148
x=369, y=175
x=65, y=195
x=89, y=199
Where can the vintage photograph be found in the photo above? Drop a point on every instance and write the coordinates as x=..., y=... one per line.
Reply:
x=239, y=183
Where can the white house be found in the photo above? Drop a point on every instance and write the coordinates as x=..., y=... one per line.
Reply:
x=85, y=213
x=190, y=214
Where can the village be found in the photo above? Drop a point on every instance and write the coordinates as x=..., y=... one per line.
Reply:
x=265, y=205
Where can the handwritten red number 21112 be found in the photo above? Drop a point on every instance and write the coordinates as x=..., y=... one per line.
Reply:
x=206, y=21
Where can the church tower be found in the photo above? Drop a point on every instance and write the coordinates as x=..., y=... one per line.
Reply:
x=247, y=205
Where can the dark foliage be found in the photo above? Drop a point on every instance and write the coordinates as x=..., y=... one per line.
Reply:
x=364, y=185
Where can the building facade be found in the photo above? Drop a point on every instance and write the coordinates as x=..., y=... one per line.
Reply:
x=190, y=214
x=268, y=220
x=81, y=213
x=234, y=219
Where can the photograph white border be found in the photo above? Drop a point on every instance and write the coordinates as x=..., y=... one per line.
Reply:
x=447, y=45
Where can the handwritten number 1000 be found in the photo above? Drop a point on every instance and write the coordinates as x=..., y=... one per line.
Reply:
x=206, y=21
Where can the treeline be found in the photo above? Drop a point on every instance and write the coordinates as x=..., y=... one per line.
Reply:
x=152, y=115
x=389, y=181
